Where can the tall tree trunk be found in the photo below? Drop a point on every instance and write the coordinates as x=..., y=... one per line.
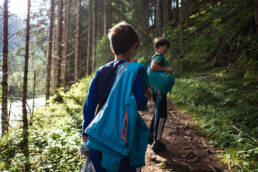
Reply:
x=185, y=5
x=256, y=15
x=77, y=47
x=177, y=10
x=50, y=45
x=67, y=32
x=166, y=7
x=170, y=15
x=34, y=95
x=89, y=40
x=153, y=15
x=88, y=50
x=105, y=16
x=146, y=19
x=142, y=21
x=94, y=21
x=181, y=28
x=55, y=45
x=59, y=47
x=158, y=18
x=99, y=21
x=141, y=7
x=5, y=72
x=24, y=93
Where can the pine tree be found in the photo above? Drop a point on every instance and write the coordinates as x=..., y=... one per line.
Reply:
x=181, y=28
x=25, y=144
x=89, y=71
x=177, y=10
x=256, y=15
x=142, y=21
x=5, y=72
x=158, y=18
x=77, y=46
x=58, y=59
x=166, y=8
x=105, y=16
x=50, y=45
x=94, y=29
x=67, y=32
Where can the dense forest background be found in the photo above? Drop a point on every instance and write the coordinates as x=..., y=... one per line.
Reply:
x=213, y=52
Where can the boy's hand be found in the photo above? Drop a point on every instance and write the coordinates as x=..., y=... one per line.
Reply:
x=84, y=138
x=84, y=147
x=169, y=69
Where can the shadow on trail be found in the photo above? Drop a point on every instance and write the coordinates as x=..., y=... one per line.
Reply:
x=171, y=164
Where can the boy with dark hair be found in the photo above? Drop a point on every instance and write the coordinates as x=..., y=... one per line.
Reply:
x=117, y=136
x=158, y=64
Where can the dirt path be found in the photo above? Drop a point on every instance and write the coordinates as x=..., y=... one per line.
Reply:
x=186, y=148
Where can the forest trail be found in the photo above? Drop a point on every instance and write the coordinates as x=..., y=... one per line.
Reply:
x=186, y=148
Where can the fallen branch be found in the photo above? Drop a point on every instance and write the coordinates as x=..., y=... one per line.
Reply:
x=244, y=133
x=212, y=168
x=204, y=144
x=220, y=151
x=204, y=77
x=229, y=165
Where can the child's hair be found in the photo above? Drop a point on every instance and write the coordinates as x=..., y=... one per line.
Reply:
x=158, y=42
x=122, y=37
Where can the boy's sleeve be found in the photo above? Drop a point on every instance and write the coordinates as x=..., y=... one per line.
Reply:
x=158, y=58
x=138, y=90
x=90, y=105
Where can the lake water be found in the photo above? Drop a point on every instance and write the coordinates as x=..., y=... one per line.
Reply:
x=16, y=110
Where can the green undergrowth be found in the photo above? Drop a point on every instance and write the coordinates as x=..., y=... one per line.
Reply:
x=54, y=137
x=225, y=107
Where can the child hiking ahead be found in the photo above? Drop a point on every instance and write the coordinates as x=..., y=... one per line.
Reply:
x=116, y=135
x=160, y=71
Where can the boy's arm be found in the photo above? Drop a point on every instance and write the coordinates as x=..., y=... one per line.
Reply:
x=139, y=89
x=89, y=107
x=157, y=68
x=155, y=64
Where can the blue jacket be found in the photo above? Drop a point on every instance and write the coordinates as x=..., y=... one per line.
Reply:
x=118, y=130
x=101, y=86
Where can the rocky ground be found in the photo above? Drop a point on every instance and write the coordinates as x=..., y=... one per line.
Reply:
x=186, y=148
